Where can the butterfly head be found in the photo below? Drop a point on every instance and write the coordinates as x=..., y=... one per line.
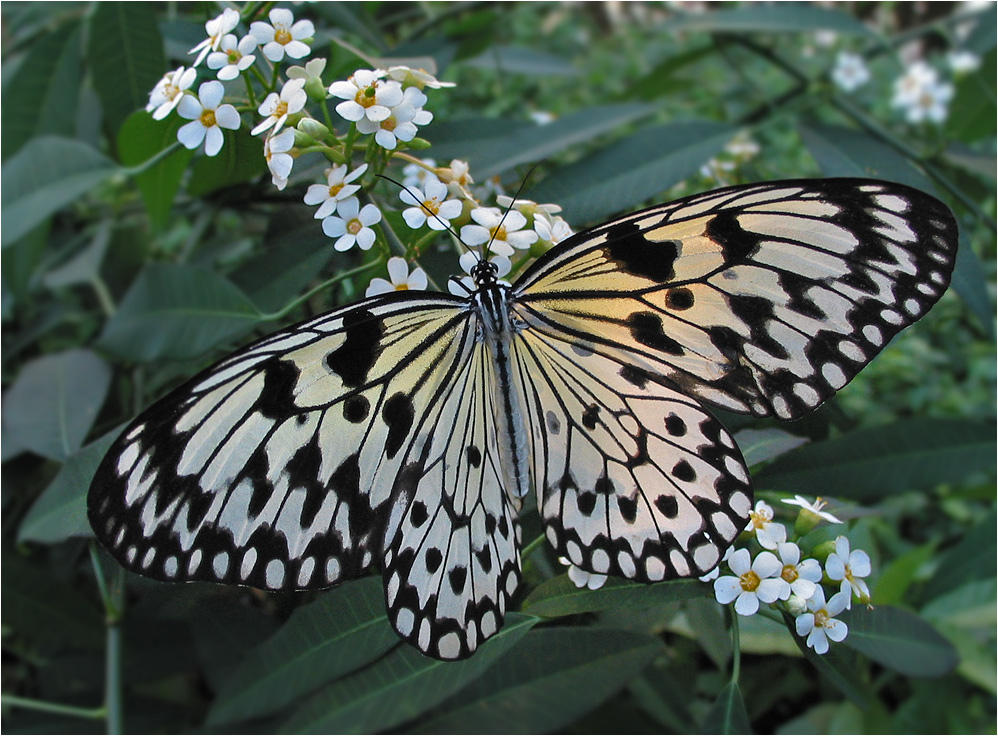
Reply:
x=485, y=273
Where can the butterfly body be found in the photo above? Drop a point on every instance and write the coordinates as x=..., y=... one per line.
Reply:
x=403, y=432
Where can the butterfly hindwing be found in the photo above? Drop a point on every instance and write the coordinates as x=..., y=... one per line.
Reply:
x=633, y=479
x=763, y=298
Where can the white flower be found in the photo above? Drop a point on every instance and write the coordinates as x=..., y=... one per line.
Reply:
x=430, y=206
x=814, y=508
x=799, y=578
x=208, y=118
x=401, y=279
x=581, y=578
x=502, y=233
x=400, y=125
x=234, y=57
x=278, y=151
x=756, y=581
x=850, y=71
x=352, y=225
x=277, y=108
x=922, y=95
x=168, y=91
x=850, y=568
x=311, y=71
x=466, y=284
x=542, y=117
x=336, y=189
x=962, y=62
x=552, y=229
x=416, y=78
x=216, y=29
x=415, y=176
x=819, y=624
x=366, y=96
x=769, y=533
x=283, y=36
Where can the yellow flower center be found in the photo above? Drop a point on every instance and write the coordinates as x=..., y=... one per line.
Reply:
x=366, y=96
x=401, y=287
x=208, y=118
x=750, y=581
x=281, y=109
x=354, y=226
x=759, y=519
x=233, y=56
x=283, y=36
x=789, y=573
x=499, y=233
x=821, y=618
x=389, y=124
x=432, y=206
x=335, y=189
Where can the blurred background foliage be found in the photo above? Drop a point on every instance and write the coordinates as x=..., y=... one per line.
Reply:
x=125, y=271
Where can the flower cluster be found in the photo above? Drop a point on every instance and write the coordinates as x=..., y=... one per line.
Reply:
x=922, y=95
x=780, y=576
x=737, y=151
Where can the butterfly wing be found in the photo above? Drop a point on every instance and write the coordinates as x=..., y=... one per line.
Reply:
x=632, y=478
x=314, y=454
x=762, y=299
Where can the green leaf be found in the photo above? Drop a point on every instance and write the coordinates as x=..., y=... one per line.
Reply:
x=45, y=176
x=974, y=558
x=125, y=53
x=896, y=577
x=61, y=510
x=522, y=144
x=632, y=171
x=559, y=596
x=786, y=17
x=761, y=445
x=340, y=632
x=399, y=687
x=84, y=267
x=547, y=681
x=47, y=611
x=972, y=113
x=273, y=278
x=240, y=160
x=971, y=281
x=663, y=79
x=42, y=97
x=727, y=714
x=899, y=640
x=139, y=139
x=981, y=38
x=971, y=606
x=55, y=400
x=520, y=60
x=873, y=463
x=847, y=152
x=174, y=311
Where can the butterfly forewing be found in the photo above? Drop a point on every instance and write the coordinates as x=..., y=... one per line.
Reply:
x=765, y=298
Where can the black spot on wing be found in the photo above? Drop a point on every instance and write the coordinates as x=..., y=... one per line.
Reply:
x=356, y=409
x=276, y=400
x=725, y=230
x=646, y=328
x=399, y=416
x=637, y=255
x=352, y=360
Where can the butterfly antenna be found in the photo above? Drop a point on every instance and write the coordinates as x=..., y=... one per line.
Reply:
x=429, y=212
x=523, y=184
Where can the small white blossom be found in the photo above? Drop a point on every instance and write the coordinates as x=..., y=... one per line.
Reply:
x=922, y=95
x=400, y=125
x=366, y=96
x=769, y=533
x=337, y=188
x=169, y=90
x=799, y=578
x=581, y=578
x=503, y=233
x=207, y=117
x=416, y=78
x=962, y=62
x=311, y=71
x=216, y=29
x=276, y=107
x=542, y=117
x=466, y=284
x=849, y=568
x=283, y=36
x=233, y=57
x=815, y=508
x=754, y=581
x=819, y=624
x=552, y=229
x=457, y=177
x=415, y=176
x=429, y=206
x=400, y=278
x=850, y=71
x=352, y=224
x=278, y=151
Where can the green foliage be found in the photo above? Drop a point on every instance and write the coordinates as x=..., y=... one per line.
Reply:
x=130, y=262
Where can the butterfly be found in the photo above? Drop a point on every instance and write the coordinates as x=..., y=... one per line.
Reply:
x=404, y=432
